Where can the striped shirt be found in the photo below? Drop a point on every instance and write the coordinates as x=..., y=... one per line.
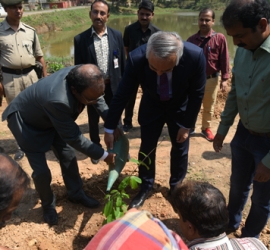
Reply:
x=222, y=242
x=136, y=230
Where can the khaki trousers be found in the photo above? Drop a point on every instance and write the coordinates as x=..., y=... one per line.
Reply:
x=15, y=84
x=209, y=101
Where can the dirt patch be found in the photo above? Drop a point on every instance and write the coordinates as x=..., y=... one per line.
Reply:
x=77, y=224
x=44, y=28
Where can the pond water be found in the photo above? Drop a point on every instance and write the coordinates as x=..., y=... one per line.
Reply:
x=60, y=43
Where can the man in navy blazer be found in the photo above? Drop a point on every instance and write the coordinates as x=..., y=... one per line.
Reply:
x=172, y=76
x=42, y=117
x=102, y=46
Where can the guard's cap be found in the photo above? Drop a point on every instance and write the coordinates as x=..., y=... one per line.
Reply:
x=10, y=2
x=146, y=4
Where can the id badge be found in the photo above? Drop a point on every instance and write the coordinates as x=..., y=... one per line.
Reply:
x=115, y=61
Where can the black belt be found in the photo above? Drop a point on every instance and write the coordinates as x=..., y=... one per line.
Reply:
x=259, y=134
x=212, y=76
x=17, y=71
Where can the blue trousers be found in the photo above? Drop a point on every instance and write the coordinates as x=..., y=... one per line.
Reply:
x=150, y=134
x=247, y=151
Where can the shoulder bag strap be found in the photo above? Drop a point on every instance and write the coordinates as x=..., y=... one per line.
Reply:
x=207, y=39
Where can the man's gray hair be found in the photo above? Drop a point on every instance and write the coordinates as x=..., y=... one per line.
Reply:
x=163, y=44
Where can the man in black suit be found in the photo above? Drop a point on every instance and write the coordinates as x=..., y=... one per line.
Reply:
x=102, y=46
x=135, y=35
x=42, y=117
x=172, y=76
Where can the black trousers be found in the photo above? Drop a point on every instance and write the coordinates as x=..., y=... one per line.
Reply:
x=150, y=134
x=93, y=116
x=68, y=163
x=129, y=108
x=35, y=145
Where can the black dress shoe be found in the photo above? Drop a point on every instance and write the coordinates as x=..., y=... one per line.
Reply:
x=2, y=150
x=94, y=161
x=139, y=199
x=50, y=216
x=85, y=200
x=127, y=127
x=18, y=155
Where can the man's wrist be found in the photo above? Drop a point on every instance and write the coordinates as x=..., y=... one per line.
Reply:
x=104, y=156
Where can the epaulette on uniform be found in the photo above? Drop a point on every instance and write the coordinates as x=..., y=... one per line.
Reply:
x=28, y=26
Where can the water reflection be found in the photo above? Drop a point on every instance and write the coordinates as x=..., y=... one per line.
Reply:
x=60, y=43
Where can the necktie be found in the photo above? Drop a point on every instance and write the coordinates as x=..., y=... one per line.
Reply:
x=164, y=88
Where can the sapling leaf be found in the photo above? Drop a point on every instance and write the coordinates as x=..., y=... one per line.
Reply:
x=109, y=218
x=137, y=179
x=118, y=202
x=124, y=183
x=116, y=206
x=133, y=183
x=146, y=157
x=124, y=195
x=108, y=196
x=126, y=179
x=144, y=164
x=135, y=161
x=122, y=186
x=117, y=213
x=108, y=208
x=124, y=208
x=114, y=191
x=138, y=162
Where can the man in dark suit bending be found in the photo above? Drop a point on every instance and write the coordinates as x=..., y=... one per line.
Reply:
x=102, y=46
x=172, y=76
x=42, y=117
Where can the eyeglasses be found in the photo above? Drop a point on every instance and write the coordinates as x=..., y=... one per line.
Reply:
x=89, y=101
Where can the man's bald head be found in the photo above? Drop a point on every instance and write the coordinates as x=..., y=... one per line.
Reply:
x=86, y=76
x=89, y=69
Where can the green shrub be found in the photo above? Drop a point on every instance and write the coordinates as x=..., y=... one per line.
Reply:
x=54, y=66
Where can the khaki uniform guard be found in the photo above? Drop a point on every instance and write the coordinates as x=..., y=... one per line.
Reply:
x=19, y=50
